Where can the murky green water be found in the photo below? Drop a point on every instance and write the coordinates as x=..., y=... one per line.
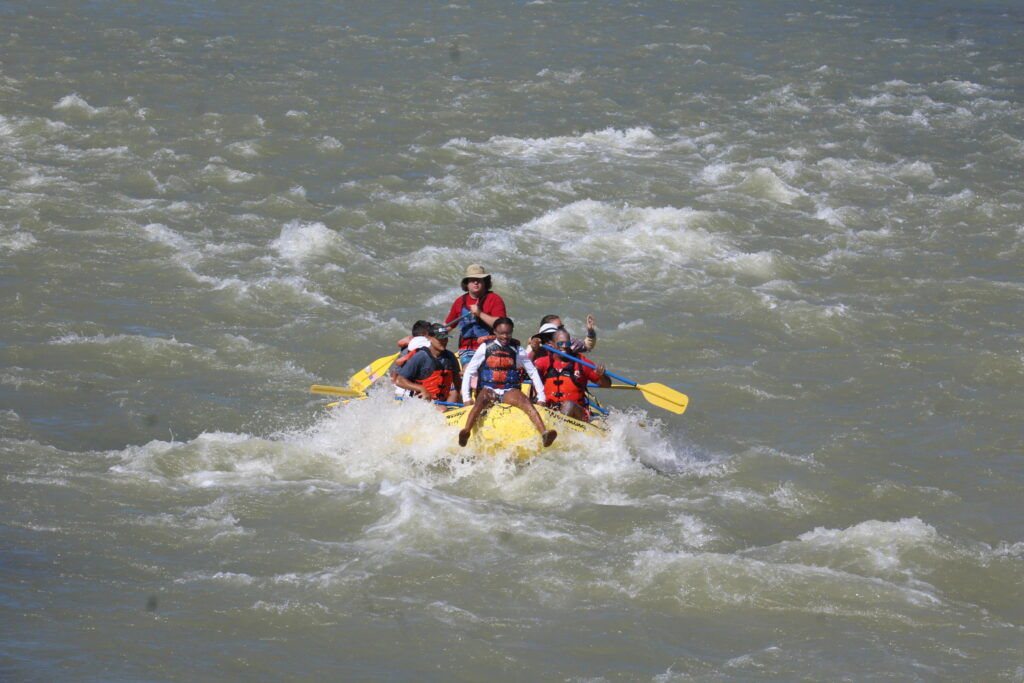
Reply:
x=806, y=216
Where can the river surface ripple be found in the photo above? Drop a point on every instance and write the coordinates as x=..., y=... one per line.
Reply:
x=807, y=216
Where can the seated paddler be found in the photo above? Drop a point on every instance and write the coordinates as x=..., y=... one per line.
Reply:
x=430, y=371
x=500, y=366
x=550, y=324
x=475, y=312
x=565, y=379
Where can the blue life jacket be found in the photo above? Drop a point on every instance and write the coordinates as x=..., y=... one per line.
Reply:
x=499, y=371
x=472, y=328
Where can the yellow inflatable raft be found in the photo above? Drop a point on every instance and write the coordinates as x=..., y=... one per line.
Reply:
x=504, y=429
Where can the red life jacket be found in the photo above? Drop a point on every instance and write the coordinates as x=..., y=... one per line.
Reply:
x=567, y=384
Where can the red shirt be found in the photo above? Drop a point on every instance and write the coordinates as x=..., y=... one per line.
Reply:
x=493, y=305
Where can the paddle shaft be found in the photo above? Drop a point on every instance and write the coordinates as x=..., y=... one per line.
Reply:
x=589, y=365
x=657, y=394
x=455, y=322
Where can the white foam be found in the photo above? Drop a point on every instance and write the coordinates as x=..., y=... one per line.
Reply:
x=877, y=547
x=649, y=239
x=707, y=579
x=137, y=341
x=637, y=141
x=907, y=531
x=300, y=241
x=292, y=607
x=218, y=171
x=158, y=232
x=963, y=87
x=17, y=241
x=249, y=149
x=284, y=290
x=20, y=377
x=562, y=76
x=916, y=118
x=713, y=174
x=231, y=578
x=75, y=103
x=328, y=143
x=835, y=217
x=765, y=184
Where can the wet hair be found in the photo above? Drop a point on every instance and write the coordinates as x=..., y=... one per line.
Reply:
x=421, y=328
x=548, y=318
x=503, y=321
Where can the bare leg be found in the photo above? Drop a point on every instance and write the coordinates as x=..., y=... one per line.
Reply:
x=484, y=400
x=452, y=397
x=516, y=398
x=572, y=409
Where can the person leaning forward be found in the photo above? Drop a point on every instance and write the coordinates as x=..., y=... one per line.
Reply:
x=565, y=380
x=499, y=365
x=431, y=371
x=475, y=311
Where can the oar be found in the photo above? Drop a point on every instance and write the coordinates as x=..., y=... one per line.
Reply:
x=455, y=322
x=362, y=380
x=595, y=406
x=328, y=390
x=656, y=394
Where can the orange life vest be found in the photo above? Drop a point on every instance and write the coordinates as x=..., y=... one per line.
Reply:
x=499, y=369
x=439, y=382
x=567, y=384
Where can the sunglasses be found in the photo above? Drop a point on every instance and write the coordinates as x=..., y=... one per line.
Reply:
x=562, y=344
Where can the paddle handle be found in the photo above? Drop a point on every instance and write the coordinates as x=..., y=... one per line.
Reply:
x=589, y=365
x=458, y=320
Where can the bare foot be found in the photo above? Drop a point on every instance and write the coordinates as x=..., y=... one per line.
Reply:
x=463, y=437
x=548, y=437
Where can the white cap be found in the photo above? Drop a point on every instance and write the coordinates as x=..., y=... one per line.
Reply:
x=548, y=327
x=418, y=343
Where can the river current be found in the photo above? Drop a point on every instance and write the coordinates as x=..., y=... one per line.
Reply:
x=808, y=216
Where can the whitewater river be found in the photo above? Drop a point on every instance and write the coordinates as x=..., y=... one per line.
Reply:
x=806, y=215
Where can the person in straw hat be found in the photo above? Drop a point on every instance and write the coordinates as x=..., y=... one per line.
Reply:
x=475, y=311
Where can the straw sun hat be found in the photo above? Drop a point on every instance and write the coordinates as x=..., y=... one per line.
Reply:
x=475, y=270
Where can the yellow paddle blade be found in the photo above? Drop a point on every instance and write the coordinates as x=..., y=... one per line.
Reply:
x=665, y=397
x=362, y=380
x=361, y=397
x=328, y=390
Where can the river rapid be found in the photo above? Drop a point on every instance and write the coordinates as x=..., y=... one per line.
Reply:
x=805, y=215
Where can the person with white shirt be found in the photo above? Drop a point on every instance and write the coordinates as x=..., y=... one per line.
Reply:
x=499, y=366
